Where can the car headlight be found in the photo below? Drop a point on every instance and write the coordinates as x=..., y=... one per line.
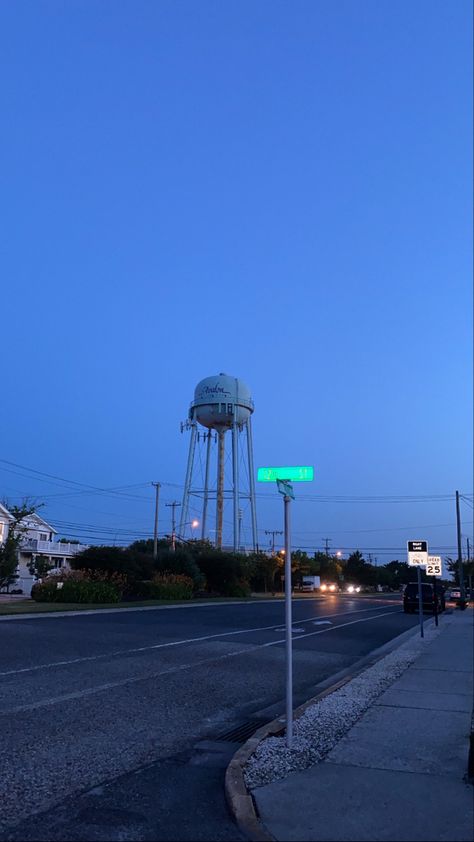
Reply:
x=324, y=587
x=357, y=590
x=350, y=588
x=332, y=587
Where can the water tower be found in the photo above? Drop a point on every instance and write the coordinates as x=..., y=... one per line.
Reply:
x=221, y=404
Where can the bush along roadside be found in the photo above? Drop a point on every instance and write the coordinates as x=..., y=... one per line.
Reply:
x=81, y=586
x=170, y=586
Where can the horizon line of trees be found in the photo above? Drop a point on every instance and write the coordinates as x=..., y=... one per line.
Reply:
x=217, y=571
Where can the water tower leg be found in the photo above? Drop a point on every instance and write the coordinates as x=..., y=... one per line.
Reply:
x=220, y=487
x=206, y=485
x=235, y=476
x=252, y=484
x=187, y=484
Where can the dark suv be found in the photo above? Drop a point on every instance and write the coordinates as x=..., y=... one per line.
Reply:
x=410, y=597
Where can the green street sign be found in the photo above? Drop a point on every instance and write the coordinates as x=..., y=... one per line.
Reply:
x=298, y=473
x=285, y=488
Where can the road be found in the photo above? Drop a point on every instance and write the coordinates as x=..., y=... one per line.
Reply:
x=115, y=726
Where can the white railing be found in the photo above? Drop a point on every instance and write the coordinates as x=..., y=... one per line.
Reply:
x=53, y=548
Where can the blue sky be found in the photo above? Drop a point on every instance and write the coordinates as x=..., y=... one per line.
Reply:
x=280, y=191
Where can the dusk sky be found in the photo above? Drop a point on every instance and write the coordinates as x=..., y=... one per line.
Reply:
x=277, y=190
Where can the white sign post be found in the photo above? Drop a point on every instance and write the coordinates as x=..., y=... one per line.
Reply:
x=418, y=557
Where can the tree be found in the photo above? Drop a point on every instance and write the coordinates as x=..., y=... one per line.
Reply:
x=453, y=567
x=358, y=569
x=8, y=561
x=134, y=565
x=39, y=566
x=394, y=574
x=264, y=570
x=10, y=547
x=330, y=567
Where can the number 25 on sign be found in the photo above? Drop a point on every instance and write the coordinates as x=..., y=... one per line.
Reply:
x=434, y=567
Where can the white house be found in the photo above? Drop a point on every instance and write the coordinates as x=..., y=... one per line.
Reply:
x=38, y=539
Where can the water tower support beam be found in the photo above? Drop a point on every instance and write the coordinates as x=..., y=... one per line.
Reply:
x=187, y=484
x=253, y=510
x=235, y=475
x=206, y=485
x=220, y=487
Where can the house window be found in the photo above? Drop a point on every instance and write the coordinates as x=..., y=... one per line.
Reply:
x=43, y=536
x=1, y=532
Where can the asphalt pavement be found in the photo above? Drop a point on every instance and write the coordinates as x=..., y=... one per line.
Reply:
x=119, y=726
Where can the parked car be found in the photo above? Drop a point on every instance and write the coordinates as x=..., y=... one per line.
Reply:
x=410, y=597
x=455, y=594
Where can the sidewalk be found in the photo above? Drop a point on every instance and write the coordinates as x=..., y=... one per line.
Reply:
x=399, y=774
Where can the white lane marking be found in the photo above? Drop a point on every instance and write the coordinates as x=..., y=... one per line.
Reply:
x=154, y=646
x=321, y=622
x=294, y=631
x=102, y=688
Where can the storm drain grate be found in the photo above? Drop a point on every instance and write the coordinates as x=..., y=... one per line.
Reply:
x=242, y=732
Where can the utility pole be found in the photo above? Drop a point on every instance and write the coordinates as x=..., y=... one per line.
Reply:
x=462, y=601
x=273, y=532
x=157, y=486
x=469, y=569
x=173, y=506
x=327, y=541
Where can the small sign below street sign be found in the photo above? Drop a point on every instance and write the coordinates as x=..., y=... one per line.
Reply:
x=285, y=488
x=292, y=473
x=417, y=553
x=434, y=566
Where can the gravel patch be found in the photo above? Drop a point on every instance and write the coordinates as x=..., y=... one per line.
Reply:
x=323, y=724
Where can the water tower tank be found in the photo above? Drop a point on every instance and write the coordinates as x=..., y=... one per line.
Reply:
x=219, y=401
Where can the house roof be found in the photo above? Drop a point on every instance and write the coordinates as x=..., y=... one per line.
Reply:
x=4, y=511
x=35, y=518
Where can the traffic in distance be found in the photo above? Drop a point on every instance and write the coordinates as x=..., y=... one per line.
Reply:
x=433, y=598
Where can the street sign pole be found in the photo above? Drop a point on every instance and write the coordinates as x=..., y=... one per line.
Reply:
x=434, y=601
x=288, y=626
x=284, y=476
x=418, y=556
x=420, y=601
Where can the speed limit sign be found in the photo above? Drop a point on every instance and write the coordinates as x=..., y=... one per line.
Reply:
x=433, y=568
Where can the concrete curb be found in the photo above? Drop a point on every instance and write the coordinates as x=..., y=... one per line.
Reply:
x=239, y=799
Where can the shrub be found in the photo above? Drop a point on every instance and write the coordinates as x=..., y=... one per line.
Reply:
x=239, y=588
x=182, y=563
x=225, y=572
x=171, y=586
x=89, y=592
x=82, y=586
x=135, y=566
x=44, y=591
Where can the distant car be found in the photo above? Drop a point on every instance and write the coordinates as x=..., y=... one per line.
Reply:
x=329, y=587
x=411, y=602
x=353, y=588
x=455, y=594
